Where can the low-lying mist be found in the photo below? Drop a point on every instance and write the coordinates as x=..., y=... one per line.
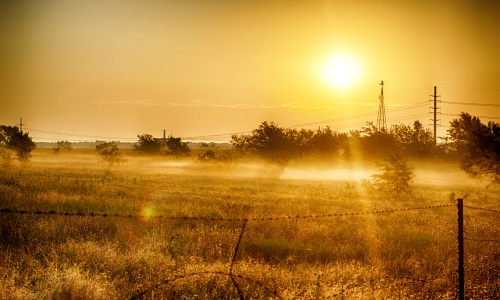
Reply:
x=426, y=172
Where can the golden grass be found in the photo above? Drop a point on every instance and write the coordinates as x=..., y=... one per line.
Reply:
x=373, y=256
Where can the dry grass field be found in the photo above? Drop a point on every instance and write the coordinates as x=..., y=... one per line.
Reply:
x=404, y=254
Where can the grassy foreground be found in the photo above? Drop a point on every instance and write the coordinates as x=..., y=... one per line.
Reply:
x=408, y=254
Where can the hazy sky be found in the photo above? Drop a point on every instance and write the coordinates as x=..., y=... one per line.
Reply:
x=112, y=69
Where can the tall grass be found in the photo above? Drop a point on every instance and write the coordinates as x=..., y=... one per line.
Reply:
x=373, y=256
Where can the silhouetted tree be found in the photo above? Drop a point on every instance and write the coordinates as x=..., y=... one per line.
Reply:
x=328, y=142
x=477, y=146
x=268, y=141
x=241, y=143
x=301, y=142
x=281, y=144
x=147, y=144
x=175, y=147
x=374, y=142
x=415, y=141
x=12, y=138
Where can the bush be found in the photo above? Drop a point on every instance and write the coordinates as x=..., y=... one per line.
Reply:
x=109, y=153
x=395, y=177
x=62, y=146
x=209, y=155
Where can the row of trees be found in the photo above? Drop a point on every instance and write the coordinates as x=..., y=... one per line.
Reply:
x=172, y=146
x=281, y=144
x=475, y=144
x=147, y=144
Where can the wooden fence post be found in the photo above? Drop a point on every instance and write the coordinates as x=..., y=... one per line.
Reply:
x=461, y=281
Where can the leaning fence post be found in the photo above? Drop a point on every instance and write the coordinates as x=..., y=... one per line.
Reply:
x=461, y=281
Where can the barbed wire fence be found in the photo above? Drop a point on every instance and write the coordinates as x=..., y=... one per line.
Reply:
x=244, y=222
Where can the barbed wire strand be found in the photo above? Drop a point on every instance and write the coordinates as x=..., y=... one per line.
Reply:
x=477, y=240
x=245, y=221
x=483, y=209
x=201, y=218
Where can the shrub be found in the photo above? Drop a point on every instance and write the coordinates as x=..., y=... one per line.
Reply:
x=109, y=153
x=395, y=177
x=62, y=146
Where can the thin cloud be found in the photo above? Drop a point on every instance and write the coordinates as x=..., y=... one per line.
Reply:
x=199, y=103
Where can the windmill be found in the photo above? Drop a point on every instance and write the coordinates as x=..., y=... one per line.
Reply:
x=381, y=121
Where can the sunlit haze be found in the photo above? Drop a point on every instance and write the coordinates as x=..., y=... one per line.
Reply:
x=341, y=71
x=203, y=70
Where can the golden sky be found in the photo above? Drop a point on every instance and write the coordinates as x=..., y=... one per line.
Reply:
x=112, y=69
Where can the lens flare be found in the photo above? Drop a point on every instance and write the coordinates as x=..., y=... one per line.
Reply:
x=146, y=213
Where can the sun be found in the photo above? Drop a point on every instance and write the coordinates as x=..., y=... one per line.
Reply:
x=341, y=71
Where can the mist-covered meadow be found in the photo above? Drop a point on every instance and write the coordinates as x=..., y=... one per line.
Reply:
x=402, y=254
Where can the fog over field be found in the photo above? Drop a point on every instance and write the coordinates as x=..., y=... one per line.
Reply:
x=431, y=172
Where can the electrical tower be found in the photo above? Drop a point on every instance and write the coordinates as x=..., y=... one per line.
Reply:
x=381, y=120
x=435, y=111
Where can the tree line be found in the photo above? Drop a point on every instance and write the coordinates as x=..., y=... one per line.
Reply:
x=283, y=144
x=474, y=144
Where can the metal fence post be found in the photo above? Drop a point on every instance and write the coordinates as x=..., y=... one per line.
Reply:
x=461, y=281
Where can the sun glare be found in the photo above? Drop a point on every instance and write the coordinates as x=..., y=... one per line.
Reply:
x=341, y=71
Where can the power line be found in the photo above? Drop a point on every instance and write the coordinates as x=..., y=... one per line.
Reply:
x=358, y=116
x=481, y=117
x=87, y=127
x=222, y=135
x=471, y=103
x=80, y=135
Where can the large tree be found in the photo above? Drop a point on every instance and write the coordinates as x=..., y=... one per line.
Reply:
x=12, y=138
x=147, y=144
x=269, y=141
x=416, y=141
x=272, y=142
x=176, y=147
x=374, y=142
x=477, y=146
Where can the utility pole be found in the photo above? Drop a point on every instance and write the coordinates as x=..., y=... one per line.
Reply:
x=21, y=125
x=164, y=134
x=461, y=273
x=435, y=110
x=381, y=120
